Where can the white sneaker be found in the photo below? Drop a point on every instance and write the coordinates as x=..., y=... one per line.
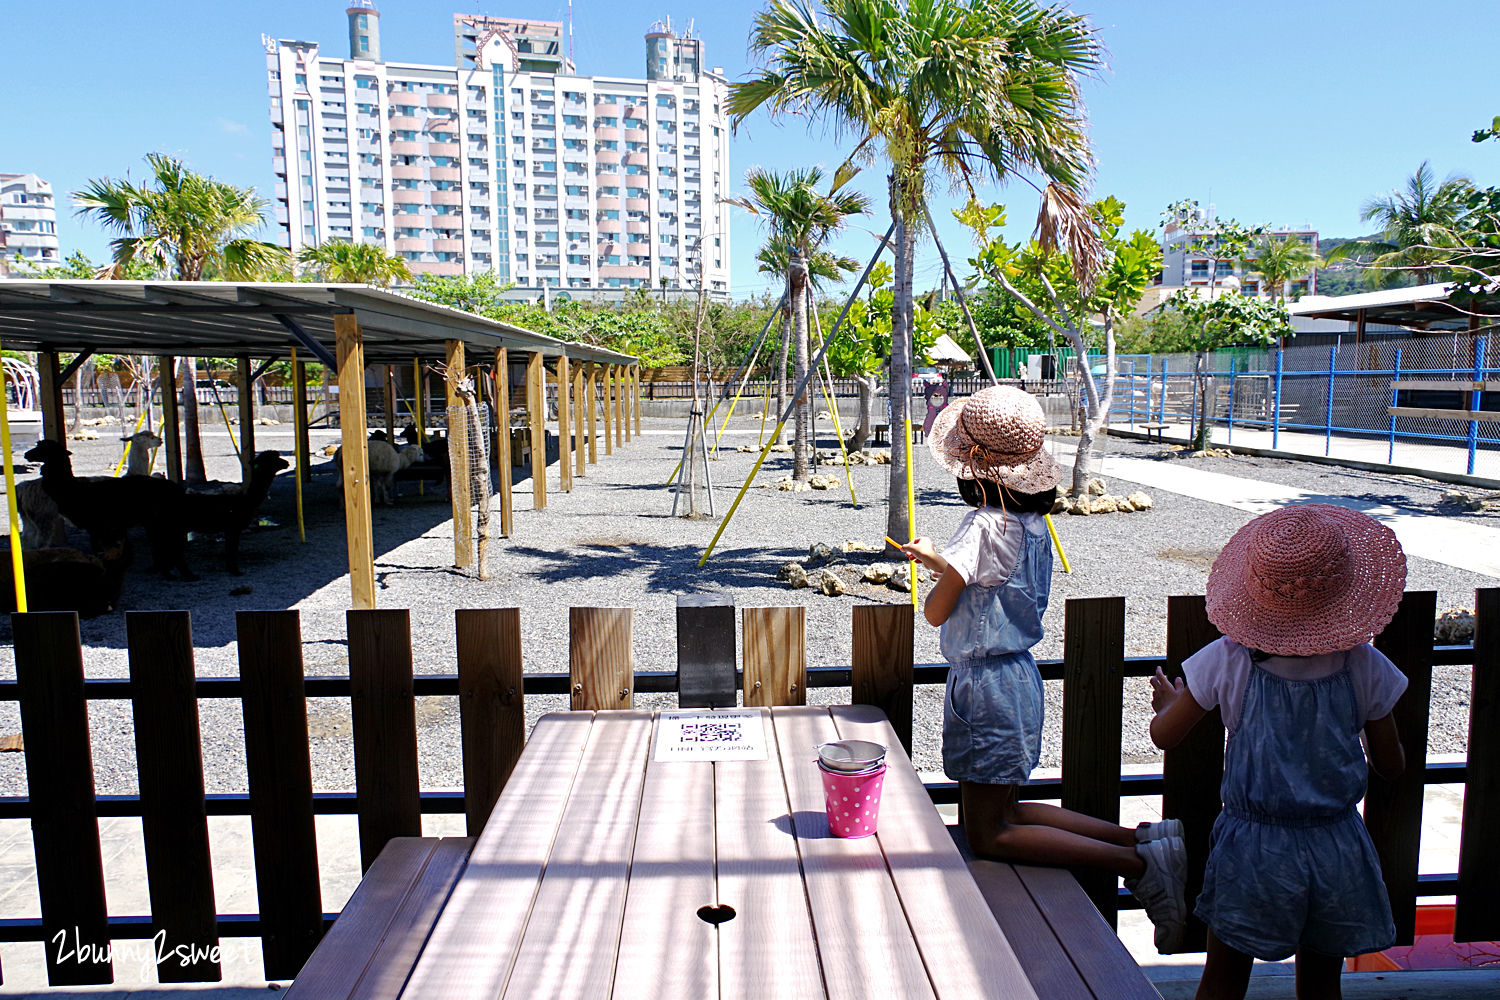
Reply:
x=1147, y=832
x=1162, y=890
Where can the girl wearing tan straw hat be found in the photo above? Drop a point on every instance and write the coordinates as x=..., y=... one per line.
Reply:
x=1298, y=594
x=993, y=581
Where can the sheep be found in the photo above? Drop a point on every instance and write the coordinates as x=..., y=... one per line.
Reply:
x=108, y=508
x=62, y=579
x=385, y=461
x=142, y=445
x=230, y=513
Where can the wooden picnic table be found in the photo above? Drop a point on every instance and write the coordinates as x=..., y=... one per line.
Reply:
x=590, y=874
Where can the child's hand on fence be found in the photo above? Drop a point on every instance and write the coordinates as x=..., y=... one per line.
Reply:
x=1164, y=692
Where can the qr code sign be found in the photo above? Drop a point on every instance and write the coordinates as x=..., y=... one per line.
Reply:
x=712, y=732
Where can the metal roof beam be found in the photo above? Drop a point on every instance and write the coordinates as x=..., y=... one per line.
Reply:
x=317, y=349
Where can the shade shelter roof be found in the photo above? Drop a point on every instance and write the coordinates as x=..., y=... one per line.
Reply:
x=1419, y=306
x=261, y=319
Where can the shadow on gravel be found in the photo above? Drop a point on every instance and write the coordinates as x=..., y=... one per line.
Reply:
x=667, y=568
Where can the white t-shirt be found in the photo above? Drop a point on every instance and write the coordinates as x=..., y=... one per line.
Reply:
x=987, y=545
x=1217, y=675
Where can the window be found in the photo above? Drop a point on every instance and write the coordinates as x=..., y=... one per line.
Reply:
x=609, y=192
x=304, y=105
x=607, y=144
x=663, y=101
x=1224, y=267
x=609, y=213
x=364, y=41
x=606, y=122
x=300, y=79
x=633, y=192
x=364, y=83
x=1199, y=269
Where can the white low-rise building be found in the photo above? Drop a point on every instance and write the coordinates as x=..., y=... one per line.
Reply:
x=28, y=221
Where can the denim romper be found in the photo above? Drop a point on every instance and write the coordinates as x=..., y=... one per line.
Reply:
x=993, y=706
x=1291, y=866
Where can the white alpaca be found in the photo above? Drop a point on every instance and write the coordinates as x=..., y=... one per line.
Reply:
x=141, y=447
x=385, y=462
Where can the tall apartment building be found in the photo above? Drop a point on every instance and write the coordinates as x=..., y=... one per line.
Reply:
x=508, y=161
x=1182, y=269
x=28, y=220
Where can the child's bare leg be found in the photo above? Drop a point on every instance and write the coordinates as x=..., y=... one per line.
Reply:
x=994, y=827
x=1226, y=973
x=1042, y=814
x=1319, y=976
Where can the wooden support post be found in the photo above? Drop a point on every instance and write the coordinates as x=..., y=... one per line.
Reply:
x=622, y=407
x=705, y=651
x=775, y=656
x=1475, y=916
x=580, y=444
x=619, y=422
x=635, y=396
x=609, y=386
x=591, y=393
x=170, y=432
x=383, y=713
x=390, y=404
x=1393, y=809
x=1094, y=691
x=536, y=419
x=458, y=460
x=491, y=705
x=174, y=823
x=881, y=673
x=300, y=444
x=1194, y=769
x=502, y=450
x=356, y=472
x=601, y=657
x=246, y=405
x=49, y=392
x=564, y=427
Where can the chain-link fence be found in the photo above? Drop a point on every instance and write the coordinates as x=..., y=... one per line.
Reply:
x=469, y=475
x=1450, y=414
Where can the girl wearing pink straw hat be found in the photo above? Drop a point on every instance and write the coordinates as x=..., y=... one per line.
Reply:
x=1298, y=594
x=993, y=581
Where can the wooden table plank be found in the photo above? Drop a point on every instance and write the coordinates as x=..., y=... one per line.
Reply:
x=864, y=939
x=768, y=950
x=1046, y=962
x=967, y=954
x=469, y=952
x=413, y=921
x=569, y=947
x=665, y=951
x=1097, y=953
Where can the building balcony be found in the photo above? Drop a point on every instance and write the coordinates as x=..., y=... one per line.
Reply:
x=624, y=271
x=449, y=101
x=610, y=204
x=638, y=227
x=404, y=196
x=635, y=159
x=278, y=165
x=408, y=148
x=635, y=132
x=407, y=172
x=606, y=110
x=608, y=228
x=447, y=197
x=610, y=156
x=638, y=204
x=448, y=246
x=446, y=267
x=444, y=173
x=607, y=132
x=406, y=123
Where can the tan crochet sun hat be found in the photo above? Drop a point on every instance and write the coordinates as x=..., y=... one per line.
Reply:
x=996, y=434
x=1307, y=579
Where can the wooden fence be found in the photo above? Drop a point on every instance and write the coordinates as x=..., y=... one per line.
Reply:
x=381, y=688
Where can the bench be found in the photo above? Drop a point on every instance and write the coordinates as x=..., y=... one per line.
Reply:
x=390, y=915
x=1157, y=428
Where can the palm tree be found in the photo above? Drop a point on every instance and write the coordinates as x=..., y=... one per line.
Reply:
x=189, y=227
x=979, y=89
x=1279, y=260
x=800, y=219
x=354, y=263
x=1417, y=226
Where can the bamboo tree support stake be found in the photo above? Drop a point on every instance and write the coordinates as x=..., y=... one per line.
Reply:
x=299, y=434
x=963, y=300
x=564, y=427
x=17, y=560
x=831, y=398
x=800, y=388
x=503, y=466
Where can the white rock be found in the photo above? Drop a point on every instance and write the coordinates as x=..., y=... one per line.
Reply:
x=1096, y=487
x=1139, y=501
x=879, y=572
x=1454, y=626
x=829, y=584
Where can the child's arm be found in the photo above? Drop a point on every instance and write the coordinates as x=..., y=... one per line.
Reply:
x=1177, y=711
x=1383, y=744
x=944, y=597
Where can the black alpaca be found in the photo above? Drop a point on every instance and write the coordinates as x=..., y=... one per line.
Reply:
x=108, y=508
x=231, y=513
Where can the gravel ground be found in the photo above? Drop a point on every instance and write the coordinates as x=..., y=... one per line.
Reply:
x=612, y=542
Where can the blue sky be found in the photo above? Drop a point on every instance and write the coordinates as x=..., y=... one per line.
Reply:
x=1277, y=112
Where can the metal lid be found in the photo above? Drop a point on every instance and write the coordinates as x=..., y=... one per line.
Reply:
x=851, y=755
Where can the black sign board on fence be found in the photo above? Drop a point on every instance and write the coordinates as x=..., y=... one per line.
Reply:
x=705, y=651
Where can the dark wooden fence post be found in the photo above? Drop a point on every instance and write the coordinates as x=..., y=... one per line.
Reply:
x=279, y=773
x=881, y=671
x=1393, y=809
x=491, y=704
x=385, y=729
x=1193, y=770
x=601, y=657
x=1094, y=693
x=775, y=656
x=174, y=822
x=1475, y=915
x=705, y=651
x=60, y=780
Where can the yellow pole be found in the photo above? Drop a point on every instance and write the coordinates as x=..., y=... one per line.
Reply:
x=833, y=410
x=17, y=561
x=1060, y=553
x=911, y=509
x=299, y=399
x=766, y=450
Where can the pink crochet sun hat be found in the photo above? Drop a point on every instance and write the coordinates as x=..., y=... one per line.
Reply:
x=996, y=434
x=1307, y=579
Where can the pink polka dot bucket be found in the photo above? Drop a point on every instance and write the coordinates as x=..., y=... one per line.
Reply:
x=852, y=800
